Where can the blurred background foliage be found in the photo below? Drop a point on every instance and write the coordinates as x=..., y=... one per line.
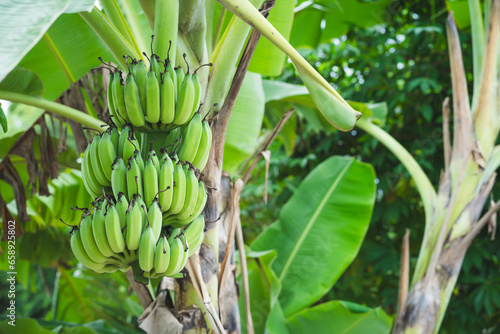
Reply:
x=401, y=60
x=405, y=64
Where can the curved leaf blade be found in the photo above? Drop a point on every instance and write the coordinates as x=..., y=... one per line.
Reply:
x=320, y=230
x=24, y=23
x=337, y=317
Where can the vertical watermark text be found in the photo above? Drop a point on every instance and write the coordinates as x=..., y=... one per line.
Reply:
x=11, y=274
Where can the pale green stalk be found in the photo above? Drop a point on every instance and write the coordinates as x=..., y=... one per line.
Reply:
x=56, y=108
x=424, y=186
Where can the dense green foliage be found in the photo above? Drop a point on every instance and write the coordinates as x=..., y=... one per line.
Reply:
x=404, y=63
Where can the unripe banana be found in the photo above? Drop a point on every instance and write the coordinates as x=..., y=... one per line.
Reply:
x=123, y=139
x=134, y=226
x=114, y=136
x=147, y=247
x=169, y=68
x=179, y=193
x=134, y=179
x=121, y=208
x=166, y=183
x=191, y=194
x=154, y=158
x=150, y=182
x=80, y=253
x=162, y=255
x=99, y=231
x=201, y=158
x=176, y=257
x=89, y=242
x=155, y=219
x=155, y=66
x=167, y=99
x=153, y=99
x=139, y=161
x=107, y=154
x=191, y=139
x=119, y=178
x=179, y=74
x=196, y=245
x=197, y=92
x=90, y=182
x=96, y=165
x=144, y=214
x=174, y=221
x=111, y=105
x=194, y=230
x=133, y=68
x=141, y=80
x=114, y=231
x=173, y=140
x=119, y=98
x=132, y=102
x=185, y=102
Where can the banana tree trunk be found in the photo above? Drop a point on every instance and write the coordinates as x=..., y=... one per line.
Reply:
x=465, y=185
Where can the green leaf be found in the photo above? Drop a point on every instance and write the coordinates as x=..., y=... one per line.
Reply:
x=322, y=20
x=23, y=326
x=339, y=317
x=267, y=58
x=77, y=51
x=320, y=230
x=245, y=123
x=264, y=289
x=3, y=120
x=22, y=81
x=24, y=23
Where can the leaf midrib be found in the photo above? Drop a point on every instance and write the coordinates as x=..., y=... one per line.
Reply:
x=311, y=221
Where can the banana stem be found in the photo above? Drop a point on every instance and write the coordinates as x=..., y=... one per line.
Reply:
x=248, y=13
x=56, y=108
x=108, y=33
x=424, y=186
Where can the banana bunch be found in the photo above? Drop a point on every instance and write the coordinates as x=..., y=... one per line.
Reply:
x=115, y=235
x=193, y=141
x=156, y=98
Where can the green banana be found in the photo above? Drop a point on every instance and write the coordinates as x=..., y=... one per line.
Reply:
x=155, y=219
x=155, y=66
x=132, y=102
x=179, y=74
x=154, y=158
x=191, y=139
x=201, y=158
x=89, y=242
x=179, y=193
x=139, y=161
x=147, y=247
x=185, y=102
x=134, y=226
x=144, y=215
x=107, y=154
x=162, y=255
x=123, y=139
x=169, y=68
x=150, y=182
x=167, y=99
x=96, y=165
x=174, y=221
x=99, y=231
x=153, y=98
x=119, y=98
x=114, y=231
x=194, y=230
x=88, y=177
x=80, y=253
x=197, y=93
x=134, y=179
x=121, y=208
x=141, y=79
x=196, y=244
x=119, y=178
x=166, y=180
x=191, y=194
x=111, y=105
x=176, y=257
x=114, y=136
